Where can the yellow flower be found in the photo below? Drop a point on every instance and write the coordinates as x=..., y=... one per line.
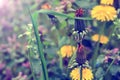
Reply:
x=103, y=39
x=67, y=50
x=107, y=2
x=104, y=13
x=86, y=74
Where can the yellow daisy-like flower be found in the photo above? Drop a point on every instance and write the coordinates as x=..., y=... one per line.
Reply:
x=104, y=13
x=67, y=50
x=107, y=2
x=86, y=74
x=103, y=39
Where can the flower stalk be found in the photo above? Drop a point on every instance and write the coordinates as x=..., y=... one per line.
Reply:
x=95, y=55
x=81, y=72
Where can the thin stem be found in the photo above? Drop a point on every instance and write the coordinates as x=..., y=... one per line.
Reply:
x=31, y=66
x=60, y=56
x=109, y=67
x=39, y=45
x=81, y=72
x=61, y=61
x=97, y=47
x=95, y=54
x=30, y=55
x=113, y=29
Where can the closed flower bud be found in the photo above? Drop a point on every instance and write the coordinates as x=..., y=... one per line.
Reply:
x=79, y=24
x=80, y=54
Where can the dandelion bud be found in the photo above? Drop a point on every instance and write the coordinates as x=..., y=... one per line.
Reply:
x=79, y=24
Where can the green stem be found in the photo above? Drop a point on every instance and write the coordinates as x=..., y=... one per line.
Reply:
x=60, y=61
x=113, y=29
x=31, y=66
x=60, y=56
x=95, y=55
x=109, y=67
x=81, y=72
x=39, y=44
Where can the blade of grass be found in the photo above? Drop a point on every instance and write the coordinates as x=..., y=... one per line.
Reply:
x=61, y=14
x=39, y=44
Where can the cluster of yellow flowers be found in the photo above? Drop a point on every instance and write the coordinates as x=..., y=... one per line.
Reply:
x=101, y=38
x=105, y=11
